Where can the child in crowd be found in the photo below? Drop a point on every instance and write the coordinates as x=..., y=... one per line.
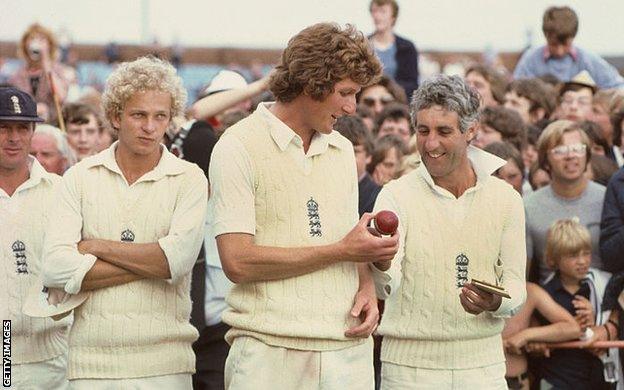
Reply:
x=579, y=289
x=517, y=333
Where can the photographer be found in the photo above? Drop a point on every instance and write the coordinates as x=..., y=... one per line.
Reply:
x=39, y=49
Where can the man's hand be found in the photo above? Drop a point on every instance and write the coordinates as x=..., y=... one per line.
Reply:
x=359, y=245
x=364, y=308
x=515, y=343
x=475, y=301
x=584, y=312
x=538, y=349
x=599, y=334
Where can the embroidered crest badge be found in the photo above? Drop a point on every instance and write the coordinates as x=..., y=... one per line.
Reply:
x=461, y=267
x=16, y=106
x=19, y=251
x=127, y=236
x=314, y=218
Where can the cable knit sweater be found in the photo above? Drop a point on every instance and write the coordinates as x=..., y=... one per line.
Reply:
x=424, y=324
x=23, y=218
x=293, y=209
x=141, y=328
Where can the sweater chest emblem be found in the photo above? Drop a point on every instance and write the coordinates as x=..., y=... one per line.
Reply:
x=127, y=236
x=19, y=251
x=461, y=268
x=314, y=218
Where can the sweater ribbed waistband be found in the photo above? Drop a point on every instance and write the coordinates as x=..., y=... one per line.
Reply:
x=443, y=354
x=299, y=343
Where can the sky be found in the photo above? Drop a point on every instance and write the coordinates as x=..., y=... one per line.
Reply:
x=462, y=25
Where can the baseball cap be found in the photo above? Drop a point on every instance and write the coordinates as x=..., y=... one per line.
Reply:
x=17, y=105
x=225, y=80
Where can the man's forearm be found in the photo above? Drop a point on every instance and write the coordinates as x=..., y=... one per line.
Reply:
x=560, y=331
x=147, y=260
x=104, y=274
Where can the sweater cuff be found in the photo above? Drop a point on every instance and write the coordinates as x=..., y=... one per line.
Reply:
x=74, y=284
x=383, y=282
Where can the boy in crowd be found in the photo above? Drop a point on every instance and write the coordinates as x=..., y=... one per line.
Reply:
x=579, y=289
x=560, y=57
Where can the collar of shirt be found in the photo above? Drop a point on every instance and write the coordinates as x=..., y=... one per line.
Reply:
x=284, y=135
x=572, y=53
x=483, y=164
x=168, y=165
x=37, y=175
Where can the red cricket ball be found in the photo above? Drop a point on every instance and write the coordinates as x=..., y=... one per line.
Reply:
x=386, y=222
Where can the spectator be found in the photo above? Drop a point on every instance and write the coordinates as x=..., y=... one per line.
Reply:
x=564, y=152
x=49, y=146
x=600, y=169
x=533, y=99
x=617, y=121
x=84, y=126
x=394, y=119
x=574, y=286
x=398, y=55
x=560, y=57
x=612, y=224
x=39, y=49
x=367, y=115
x=384, y=165
x=576, y=98
x=513, y=171
x=518, y=333
x=600, y=146
x=488, y=82
x=354, y=129
x=378, y=95
x=500, y=124
x=538, y=177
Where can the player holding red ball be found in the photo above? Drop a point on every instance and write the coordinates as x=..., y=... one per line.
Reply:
x=456, y=223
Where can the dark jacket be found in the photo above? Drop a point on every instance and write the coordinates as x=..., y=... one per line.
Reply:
x=407, y=65
x=612, y=225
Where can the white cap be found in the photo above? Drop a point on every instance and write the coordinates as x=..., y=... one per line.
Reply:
x=37, y=304
x=225, y=80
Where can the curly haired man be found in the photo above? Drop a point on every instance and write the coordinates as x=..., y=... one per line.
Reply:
x=285, y=195
x=126, y=228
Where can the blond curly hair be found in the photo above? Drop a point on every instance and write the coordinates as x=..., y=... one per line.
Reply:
x=143, y=74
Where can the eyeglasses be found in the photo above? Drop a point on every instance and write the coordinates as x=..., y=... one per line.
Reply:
x=577, y=150
x=371, y=101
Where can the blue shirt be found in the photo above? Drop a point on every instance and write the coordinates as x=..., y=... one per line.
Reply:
x=388, y=59
x=569, y=368
x=538, y=62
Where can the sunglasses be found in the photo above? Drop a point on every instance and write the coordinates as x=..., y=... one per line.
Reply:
x=577, y=150
x=370, y=101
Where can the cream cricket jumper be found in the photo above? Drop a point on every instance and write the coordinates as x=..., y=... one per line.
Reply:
x=141, y=328
x=424, y=324
x=23, y=218
x=288, y=206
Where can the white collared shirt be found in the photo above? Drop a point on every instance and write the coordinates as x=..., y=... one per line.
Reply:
x=483, y=164
x=166, y=205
